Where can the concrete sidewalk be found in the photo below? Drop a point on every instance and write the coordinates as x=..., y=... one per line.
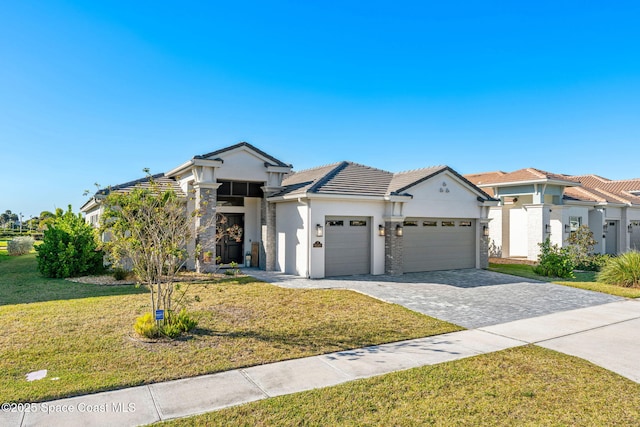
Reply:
x=607, y=335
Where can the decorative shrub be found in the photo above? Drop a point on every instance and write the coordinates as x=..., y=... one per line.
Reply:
x=593, y=262
x=172, y=326
x=20, y=245
x=120, y=273
x=623, y=270
x=146, y=326
x=554, y=261
x=69, y=247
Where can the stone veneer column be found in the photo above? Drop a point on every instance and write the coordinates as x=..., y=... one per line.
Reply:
x=484, y=245
x=206, y=196
x=393, y=249
x=268, y=233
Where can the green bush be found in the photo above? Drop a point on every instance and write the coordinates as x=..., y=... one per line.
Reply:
x=593, y=262
x=69, y=248
x=554, y=261
x=623, y=270
x=146, y=326
x=20, y=245
x=120, y=273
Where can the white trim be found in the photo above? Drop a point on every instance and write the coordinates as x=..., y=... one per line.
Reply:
x=531, y=181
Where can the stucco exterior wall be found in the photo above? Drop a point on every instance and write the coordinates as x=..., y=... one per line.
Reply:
x=442, y=196
x=242, y=166
x=292, y=238
x=496, y=247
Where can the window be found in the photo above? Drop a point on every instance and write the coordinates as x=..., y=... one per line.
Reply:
x=335, y=223
x=429, y=223
x=356, y=223
x=229, y=201
x=448, y=223
x=574, y=223
x=410, y=223
x=240, y=188
x=465, y=223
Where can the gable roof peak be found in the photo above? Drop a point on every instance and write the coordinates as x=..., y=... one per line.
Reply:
x=251, y=147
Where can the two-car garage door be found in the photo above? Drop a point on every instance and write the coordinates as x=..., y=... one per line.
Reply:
x=428, y=244
x=438, y=244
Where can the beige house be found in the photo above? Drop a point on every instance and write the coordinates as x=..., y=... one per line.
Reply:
x=535, y=205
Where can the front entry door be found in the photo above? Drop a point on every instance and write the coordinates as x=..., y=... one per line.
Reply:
x=229, y=249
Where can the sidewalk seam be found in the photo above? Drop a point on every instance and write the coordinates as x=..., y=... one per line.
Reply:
x=252, y=381
x=155, y=403
x=335, y=368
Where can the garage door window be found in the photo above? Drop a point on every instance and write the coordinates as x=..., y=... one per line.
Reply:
x=354, y=223
x=448, y=223
x=465, y=223
x=429, y=223
x=410, y=223
x=335, y=223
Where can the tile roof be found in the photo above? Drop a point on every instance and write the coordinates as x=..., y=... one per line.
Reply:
x=590, y=188
x=401, y=181
x=350, y=178
x=525, y=175
x=275, y=161
x=127, y=187
x=339, y=178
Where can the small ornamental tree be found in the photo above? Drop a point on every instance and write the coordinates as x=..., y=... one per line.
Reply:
x=69, y=247
x=581, y=248
x=147, y=231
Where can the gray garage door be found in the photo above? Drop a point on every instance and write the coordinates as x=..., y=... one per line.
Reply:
x=439, y=244
x=347, y=246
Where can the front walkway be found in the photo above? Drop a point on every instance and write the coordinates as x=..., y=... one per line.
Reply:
x=471, y=298
x=607, y=335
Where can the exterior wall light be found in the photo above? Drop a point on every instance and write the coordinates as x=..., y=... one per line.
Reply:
x=381, y=230
x=547, y=228
x=485, y=230
x=605, y=228
x=319, y=230
x=567, y=228
x=399, y=230
x=630, y=228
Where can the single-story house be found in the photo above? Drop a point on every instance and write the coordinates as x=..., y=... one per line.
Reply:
x=535, y=205
x=339, y=219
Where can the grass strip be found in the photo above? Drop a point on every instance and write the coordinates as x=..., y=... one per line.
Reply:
x=524, y=386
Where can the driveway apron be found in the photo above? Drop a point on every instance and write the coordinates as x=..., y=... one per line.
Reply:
x=470, y=298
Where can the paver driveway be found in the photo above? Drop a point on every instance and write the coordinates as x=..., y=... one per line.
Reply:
x=470, y=298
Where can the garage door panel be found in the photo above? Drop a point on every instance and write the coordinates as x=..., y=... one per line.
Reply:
x=428, y=248
x=347, y=246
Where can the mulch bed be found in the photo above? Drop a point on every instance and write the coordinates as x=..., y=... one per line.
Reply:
x=511, y=261
x=109, y=280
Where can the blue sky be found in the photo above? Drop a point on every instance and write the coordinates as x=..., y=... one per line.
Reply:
x=95, y=91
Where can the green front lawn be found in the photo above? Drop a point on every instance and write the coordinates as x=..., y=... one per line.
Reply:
x=83, y=335
x=583, y=280
x=524, y=386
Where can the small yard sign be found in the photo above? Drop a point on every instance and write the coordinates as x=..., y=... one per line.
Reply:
x=159, y=314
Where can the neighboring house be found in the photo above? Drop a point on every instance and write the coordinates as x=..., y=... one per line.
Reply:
x=535, y=205
x=333, y=220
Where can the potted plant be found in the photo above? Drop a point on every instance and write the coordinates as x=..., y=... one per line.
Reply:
x=207, y=256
